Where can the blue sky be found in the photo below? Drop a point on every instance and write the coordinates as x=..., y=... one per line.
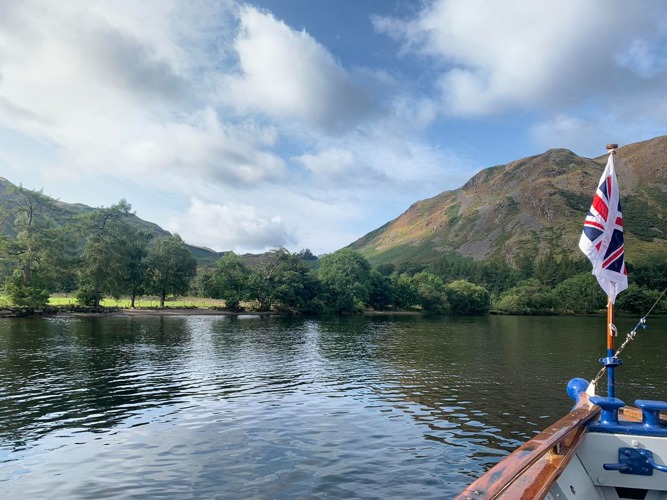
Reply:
x=306, y=124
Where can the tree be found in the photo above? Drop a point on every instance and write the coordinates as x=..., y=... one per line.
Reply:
x=404, y=292
x=262, y=278
x=527, y=297
x=136, y=277
x=38, y=249
x=639, y=300
x=171, y=267
x=386, y=269
x=306, y=254
x=430, y=292
x=381, y=294
x=107, y=250
x=579, y=294
x=495, y=276
x=229, y=281
x=409, y=268
x=33, y=294
x=345, y=276
x=293, y=286
x=452, y=266
x=466, y=298
x=650, y=272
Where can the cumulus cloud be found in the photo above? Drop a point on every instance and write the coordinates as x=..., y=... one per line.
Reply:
x=237, y=227
x=204, y=147
x=286, y=74
x=501, y=55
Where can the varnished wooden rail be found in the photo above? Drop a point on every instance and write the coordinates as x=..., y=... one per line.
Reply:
x=530, y=470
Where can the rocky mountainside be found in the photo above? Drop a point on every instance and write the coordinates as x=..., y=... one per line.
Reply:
x=531, y=207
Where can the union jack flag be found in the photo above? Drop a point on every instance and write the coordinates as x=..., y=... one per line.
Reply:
x=602, y=238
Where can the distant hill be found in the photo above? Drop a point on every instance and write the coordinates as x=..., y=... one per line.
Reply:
x=531, y=207
x=205, y=256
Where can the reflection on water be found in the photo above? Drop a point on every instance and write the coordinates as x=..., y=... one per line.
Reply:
x=250, y=407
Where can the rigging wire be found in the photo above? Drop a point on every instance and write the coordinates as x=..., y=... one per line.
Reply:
x=630, y=336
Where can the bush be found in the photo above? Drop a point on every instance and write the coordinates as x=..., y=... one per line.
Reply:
x=466, y=298
x=21, y=294
x=86, y=296
x=527, y=297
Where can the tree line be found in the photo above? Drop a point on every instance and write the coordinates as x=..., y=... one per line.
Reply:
x=94, y=255
x=102, y=254
x=559, y=284
x=341, y=282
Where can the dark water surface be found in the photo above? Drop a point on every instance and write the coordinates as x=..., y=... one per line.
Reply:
x=279, y=408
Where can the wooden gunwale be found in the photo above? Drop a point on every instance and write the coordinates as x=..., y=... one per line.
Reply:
x=530, y=470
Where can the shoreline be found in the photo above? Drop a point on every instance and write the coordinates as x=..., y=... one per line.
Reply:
x=187, y=312
x=115, y=312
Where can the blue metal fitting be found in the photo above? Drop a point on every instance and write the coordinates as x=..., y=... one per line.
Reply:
x=651, y=413
x=576, y=387
x=610, y=406
x=611, y=361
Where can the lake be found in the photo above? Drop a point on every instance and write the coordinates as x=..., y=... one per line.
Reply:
x=289, y=408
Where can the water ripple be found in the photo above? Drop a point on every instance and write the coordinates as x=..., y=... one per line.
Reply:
x=193, y=407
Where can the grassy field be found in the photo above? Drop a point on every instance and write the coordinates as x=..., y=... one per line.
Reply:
x=147, y=302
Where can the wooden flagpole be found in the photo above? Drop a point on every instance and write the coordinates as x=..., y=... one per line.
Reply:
x=611, y=364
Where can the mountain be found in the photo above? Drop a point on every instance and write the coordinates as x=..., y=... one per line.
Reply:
x=532, y=207
x=63, y=211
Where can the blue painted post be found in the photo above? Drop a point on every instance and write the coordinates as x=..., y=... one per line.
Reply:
x=610, y=364
x=610, y=374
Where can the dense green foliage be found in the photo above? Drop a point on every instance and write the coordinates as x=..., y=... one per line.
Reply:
x=282, y=282
x=170, y=267
x=467, y=299
x=103, y=254
x=36, y=252
x=229, y=281
x=345, y=276
x=97, y=254
x=110, y=241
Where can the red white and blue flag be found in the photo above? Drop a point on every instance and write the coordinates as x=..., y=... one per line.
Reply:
x=602, y=238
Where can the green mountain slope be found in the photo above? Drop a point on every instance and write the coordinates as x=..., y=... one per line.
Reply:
x=531, y=207
x=65, y=211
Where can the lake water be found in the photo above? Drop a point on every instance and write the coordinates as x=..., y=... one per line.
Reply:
x=283, y=408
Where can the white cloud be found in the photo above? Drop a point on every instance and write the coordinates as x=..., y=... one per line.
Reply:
x=588, y=133
x=230, y=226
x=332, y=163
x=583, y=136
x=495, y=56
x=203, y=147
x=288, y=75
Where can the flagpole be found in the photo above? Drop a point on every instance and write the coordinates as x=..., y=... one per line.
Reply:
x=602, y=242
x=610, y=361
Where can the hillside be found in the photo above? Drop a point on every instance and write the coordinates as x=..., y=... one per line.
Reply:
x=530, y=207
x=65, y=211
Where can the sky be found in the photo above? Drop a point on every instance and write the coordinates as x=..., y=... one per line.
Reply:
x=252, y=125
